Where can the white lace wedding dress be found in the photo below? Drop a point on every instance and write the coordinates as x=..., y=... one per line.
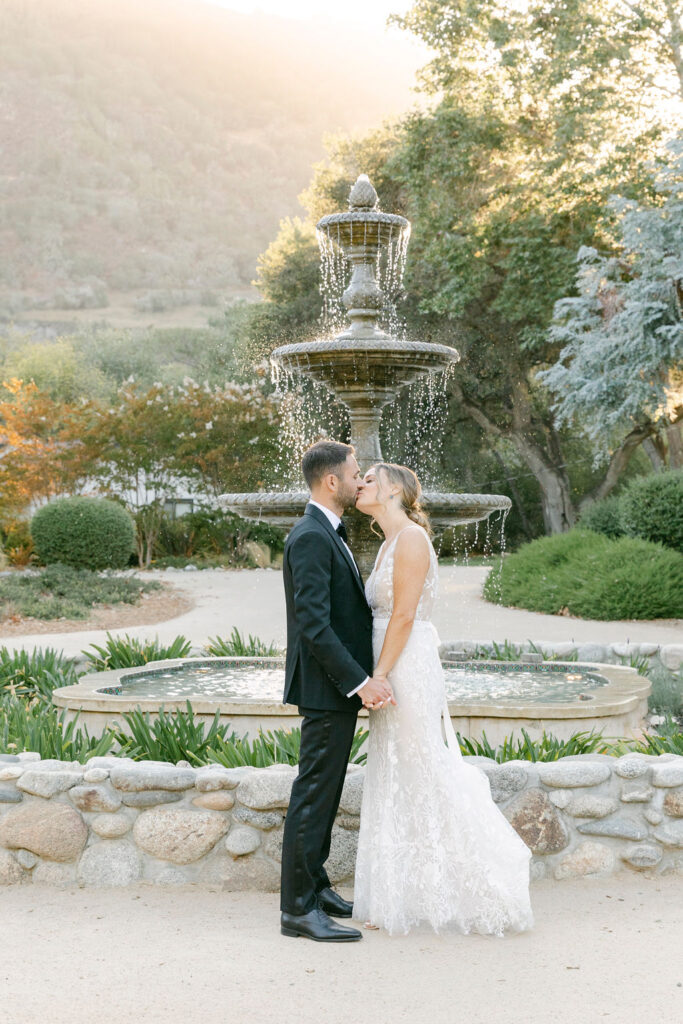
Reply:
x=433, y=847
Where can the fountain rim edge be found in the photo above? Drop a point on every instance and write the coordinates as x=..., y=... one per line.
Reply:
x=431, y=499
x=362, y=216
x=366, y=345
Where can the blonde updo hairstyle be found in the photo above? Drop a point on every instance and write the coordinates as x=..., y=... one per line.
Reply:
x=410, y=494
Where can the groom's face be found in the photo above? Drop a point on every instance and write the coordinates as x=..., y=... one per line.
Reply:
x=348, y=482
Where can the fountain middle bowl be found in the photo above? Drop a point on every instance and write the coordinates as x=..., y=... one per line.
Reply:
x=284, y=508
x=559, y=697
x=382, y=365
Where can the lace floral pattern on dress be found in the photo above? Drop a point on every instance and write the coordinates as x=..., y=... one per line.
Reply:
x=433, y=847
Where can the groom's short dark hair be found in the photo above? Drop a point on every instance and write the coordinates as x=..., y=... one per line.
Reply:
x=322, y=458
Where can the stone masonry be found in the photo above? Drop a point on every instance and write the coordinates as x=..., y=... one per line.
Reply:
x=668, y=655
x=115, y=822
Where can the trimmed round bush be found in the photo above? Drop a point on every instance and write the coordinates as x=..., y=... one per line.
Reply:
x=591, y=576
x=652, y=508
x=86, y=533
x=604, y=517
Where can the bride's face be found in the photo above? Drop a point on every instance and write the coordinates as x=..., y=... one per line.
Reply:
x=368, y=491
x=372, y=491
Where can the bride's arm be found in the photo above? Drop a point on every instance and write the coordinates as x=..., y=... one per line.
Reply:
x=411, y=565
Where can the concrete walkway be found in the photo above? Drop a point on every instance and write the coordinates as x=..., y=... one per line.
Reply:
x=601, y=950
x=253, y=600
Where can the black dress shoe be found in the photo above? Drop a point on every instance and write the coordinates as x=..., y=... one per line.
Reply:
x=332, y=903
x=318, y=926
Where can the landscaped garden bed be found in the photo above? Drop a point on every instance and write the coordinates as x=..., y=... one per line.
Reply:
x=30, y=722
x=61, y=598
x=174, y=800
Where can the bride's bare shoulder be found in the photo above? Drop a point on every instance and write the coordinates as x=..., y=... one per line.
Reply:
x=413, y=544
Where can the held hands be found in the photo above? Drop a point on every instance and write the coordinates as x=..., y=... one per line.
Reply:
x=376, y=693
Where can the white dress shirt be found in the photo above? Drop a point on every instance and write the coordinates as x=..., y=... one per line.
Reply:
x=335, y=520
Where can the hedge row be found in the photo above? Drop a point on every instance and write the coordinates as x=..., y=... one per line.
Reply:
x=651, y=508
x=591, y=576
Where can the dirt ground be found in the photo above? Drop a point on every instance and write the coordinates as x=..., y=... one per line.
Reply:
x=602, y=950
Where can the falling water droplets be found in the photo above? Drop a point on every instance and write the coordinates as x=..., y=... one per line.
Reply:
x=332, y=282
x=413, y=428
x=307, y=413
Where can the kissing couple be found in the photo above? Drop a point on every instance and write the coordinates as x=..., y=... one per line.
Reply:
x=432, y=847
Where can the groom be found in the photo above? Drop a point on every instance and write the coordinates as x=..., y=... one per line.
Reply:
x=328, y=675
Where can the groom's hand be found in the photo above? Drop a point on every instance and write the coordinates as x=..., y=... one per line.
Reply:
x=376, y=692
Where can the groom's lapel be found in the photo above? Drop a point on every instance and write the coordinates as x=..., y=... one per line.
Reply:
x=321, y=518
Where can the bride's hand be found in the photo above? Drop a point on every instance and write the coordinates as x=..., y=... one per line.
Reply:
x=388, y=698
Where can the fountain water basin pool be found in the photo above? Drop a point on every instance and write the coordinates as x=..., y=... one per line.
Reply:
x=492, y=697
x=228, y=681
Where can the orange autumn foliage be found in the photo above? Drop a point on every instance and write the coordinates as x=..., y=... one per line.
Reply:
x=42, y=453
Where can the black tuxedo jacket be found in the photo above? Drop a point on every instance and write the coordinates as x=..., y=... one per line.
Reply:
x=329, y=622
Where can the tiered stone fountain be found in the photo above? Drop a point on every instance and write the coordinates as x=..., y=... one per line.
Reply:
x=365, y=369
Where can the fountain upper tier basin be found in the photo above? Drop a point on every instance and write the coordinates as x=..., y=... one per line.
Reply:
x=363, y=227
x=283, y=508
x=375, y=365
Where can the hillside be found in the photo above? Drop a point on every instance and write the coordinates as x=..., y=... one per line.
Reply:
x=149, y=148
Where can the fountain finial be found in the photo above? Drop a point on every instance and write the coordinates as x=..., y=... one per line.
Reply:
x=363, y=196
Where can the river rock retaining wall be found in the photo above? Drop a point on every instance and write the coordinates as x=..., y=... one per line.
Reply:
x=670, y=655
x=116, y=822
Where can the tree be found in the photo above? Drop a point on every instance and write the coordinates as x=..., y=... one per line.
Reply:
x=547, y=111
x=287, y=278
x=41, y=449
x=151, y=442
x=57, y=369
x=569, y=68
x=229, y=439
x=493, y=249
x=620, y=370
x=540, y=115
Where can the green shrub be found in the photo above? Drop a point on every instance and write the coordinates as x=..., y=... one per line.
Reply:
x=652, y=508
x=276, y=747
x=177, y=735
x=210, y=533
x=591, y=576
x=237, y=647
x=172, y=736
x=86, y=533
x=62, y=592
x=548, y=748
x=604, y=517
x=666, y=697
x=667, y=740
x=35, y=726
x=17, y=542
x=127, y=652
x=507, y=651
x=34, y=675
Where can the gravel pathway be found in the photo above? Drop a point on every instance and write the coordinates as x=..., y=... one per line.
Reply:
x=601, y=950
x=253, y=600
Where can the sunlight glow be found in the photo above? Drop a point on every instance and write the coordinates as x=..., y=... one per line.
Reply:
x=364, y=13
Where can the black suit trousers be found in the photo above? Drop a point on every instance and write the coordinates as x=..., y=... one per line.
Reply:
x=326, y=740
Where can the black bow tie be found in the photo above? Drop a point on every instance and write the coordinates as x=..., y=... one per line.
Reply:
x=341, y=530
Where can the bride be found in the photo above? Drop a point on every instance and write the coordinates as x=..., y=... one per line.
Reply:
x=433, y=847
